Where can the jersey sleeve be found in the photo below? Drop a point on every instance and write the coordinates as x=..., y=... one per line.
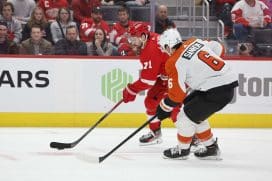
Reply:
x=237, y=15
x=176, y=79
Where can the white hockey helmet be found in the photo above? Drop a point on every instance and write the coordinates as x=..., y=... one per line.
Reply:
x=169, y=37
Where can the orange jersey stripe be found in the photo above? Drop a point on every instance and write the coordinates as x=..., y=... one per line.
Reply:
x=175, y=92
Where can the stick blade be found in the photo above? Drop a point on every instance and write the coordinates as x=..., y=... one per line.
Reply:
x=101, y=159
x=60, y=146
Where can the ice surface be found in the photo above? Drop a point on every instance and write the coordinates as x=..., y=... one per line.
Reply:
x=25, y=155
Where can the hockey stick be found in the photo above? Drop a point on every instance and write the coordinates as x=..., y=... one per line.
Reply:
x=61, y=146
x=102, y=158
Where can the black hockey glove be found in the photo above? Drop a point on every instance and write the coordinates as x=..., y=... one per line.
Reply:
x=165, y=108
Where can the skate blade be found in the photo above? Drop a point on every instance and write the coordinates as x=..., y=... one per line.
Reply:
x=215, y=158
x=178, y=158
x=154, y=142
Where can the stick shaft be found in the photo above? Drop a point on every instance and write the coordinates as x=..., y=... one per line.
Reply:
x=73, y=144
x=99, y=121
x=102, y=158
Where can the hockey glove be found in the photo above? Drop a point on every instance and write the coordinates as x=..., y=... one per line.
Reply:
x=174, y=113
x=165, y=108
x=128, y=94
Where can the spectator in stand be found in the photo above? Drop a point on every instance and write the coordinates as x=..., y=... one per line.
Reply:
x=162, y=21
x=248, y=14
x=89, y=25
x=2, y=2
x=70, y=45
x=37, y=19
x=6, y=46
x=223, y=12
x=119, y=33
x=14, y=26
x=82, y=9
x=23, y=9
x=36, y=44
x=100, y=45
x=268, y=3
x=58, y=27
x=131, y=2
x=51, y=8
x=107, y=2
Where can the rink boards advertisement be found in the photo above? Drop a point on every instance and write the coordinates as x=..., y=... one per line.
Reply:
x=72, y=92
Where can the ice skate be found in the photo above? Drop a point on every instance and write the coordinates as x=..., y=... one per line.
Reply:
x=151, y=138
x=195, y=144
x=211, y=152
x=176, y=153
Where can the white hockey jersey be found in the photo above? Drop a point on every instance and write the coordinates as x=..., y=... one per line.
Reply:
x=247, y=15
x=195, y=65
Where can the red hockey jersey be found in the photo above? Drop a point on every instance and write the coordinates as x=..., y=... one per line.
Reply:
x=51, y=7
x=153, y=64
x=88, y=27
x=118, y=33
x=247, y=15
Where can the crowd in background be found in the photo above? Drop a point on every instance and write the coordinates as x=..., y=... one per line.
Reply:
x=77, y=27
x=248, y=22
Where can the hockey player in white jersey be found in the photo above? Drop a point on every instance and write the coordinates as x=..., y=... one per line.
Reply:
x=193, y=64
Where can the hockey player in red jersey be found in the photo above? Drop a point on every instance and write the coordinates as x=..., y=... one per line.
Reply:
x=152, y=77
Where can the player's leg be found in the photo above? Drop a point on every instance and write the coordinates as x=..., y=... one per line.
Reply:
x=210, y=149
x=191, y=115
x=186, y=130
x=198, y=106
x=195, y=144
x=154, y=135
x=198, y=109
x=152, y=100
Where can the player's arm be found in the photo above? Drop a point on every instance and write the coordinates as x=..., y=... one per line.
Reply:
x=131, y=90
x=237, y=16
x=176, y=92
x=175, y=98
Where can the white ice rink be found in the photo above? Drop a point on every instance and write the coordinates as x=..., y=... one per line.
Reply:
x=25, y=155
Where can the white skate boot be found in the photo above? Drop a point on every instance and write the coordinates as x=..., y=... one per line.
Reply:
x=151, y=138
